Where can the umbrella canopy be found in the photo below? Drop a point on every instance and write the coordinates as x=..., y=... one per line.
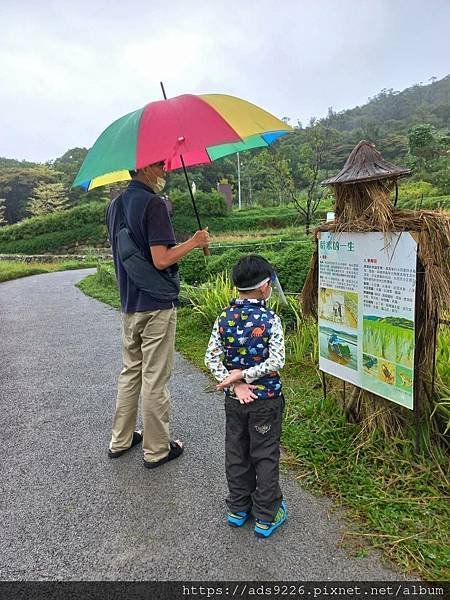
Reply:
x=200, y=128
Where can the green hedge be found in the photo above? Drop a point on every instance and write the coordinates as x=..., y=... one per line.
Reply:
x=90, y=234
x=79, y=216
x=211, y=203
x=291, y=261
x=185, y=225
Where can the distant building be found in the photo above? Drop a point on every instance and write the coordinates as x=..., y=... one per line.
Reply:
x=225, y=190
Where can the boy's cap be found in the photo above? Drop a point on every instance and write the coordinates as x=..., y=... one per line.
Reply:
x=252, y=271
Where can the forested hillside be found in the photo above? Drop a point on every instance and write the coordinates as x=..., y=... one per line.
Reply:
x=410, y=128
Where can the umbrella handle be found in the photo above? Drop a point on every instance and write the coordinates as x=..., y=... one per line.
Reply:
x=206, y=251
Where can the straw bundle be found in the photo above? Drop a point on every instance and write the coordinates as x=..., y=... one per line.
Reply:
x=363, y=204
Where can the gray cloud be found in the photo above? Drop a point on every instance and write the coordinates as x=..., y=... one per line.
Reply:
x=68, y=71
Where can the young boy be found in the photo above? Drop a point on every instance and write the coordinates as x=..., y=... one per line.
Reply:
x=245, y=353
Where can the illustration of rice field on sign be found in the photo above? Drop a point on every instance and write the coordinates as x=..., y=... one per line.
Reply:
x=390, y=338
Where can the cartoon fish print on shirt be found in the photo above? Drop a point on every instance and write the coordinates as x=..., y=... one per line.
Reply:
x=243, y=351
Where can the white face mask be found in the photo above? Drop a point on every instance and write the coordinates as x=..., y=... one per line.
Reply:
x=157, y=184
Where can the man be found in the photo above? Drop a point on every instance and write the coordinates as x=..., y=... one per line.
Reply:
x=148, y=322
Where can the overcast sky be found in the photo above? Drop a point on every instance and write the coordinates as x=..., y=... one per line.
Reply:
x=69, y=68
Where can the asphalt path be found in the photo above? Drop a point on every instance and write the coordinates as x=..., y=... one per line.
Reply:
x=69, y=513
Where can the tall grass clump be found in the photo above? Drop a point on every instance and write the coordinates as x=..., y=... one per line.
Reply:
x=106, y=274
x=302, y=342
x=442, y=380
x=212, y=297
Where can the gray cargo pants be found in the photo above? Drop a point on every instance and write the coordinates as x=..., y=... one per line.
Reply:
x=252, y=454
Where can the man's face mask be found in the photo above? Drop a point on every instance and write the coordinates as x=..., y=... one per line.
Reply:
x=154, y=179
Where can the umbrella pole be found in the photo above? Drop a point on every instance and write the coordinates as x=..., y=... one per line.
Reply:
x=197, y=216
x=206, y=251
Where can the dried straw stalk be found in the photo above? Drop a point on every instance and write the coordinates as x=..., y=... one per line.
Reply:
x=366, y=207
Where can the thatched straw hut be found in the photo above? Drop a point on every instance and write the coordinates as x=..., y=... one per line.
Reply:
x=362, y=191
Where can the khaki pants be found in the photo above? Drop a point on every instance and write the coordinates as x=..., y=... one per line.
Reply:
x=148, y=347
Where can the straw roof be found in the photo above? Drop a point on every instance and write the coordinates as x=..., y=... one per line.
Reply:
x=365, y=163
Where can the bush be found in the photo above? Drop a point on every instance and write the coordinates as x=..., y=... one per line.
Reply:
x=211, y=203
x=416, y=189
x=84, y=214
x=290, y=260
x=54, y=240
x=251, y=220
x=292, y=265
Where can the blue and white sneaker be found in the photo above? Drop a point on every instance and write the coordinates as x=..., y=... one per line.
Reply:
x=237, y=519
x=265, y=528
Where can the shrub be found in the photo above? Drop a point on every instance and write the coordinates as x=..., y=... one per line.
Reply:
x=54, y=240
x=292, y=264
x=208, y=203
x=290, y=260
x=193, y=269
x=84, y=214
x=416, y=189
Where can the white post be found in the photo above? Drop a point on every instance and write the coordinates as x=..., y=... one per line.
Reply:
x=239, y=181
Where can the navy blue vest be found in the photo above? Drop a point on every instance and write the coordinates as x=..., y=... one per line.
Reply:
x=245, y=329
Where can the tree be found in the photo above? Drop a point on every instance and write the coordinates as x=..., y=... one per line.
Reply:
x=309, y=169
x=17, y=184
x=47, y=198
x=422, y=142
x=3, y=219
x=428, y=151
x=67, y=167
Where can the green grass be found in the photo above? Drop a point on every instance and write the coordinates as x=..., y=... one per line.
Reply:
x=396, y=500
x=15, y=269
x=101, y=289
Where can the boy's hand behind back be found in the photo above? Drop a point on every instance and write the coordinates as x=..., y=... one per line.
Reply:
x=243, y=392
x=234, y=376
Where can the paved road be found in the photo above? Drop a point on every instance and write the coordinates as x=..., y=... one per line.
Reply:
x=68, y=512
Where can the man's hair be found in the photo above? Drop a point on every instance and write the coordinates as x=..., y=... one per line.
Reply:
x=251, y=270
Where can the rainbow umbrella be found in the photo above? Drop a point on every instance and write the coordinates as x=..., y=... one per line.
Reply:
x=189, y=128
